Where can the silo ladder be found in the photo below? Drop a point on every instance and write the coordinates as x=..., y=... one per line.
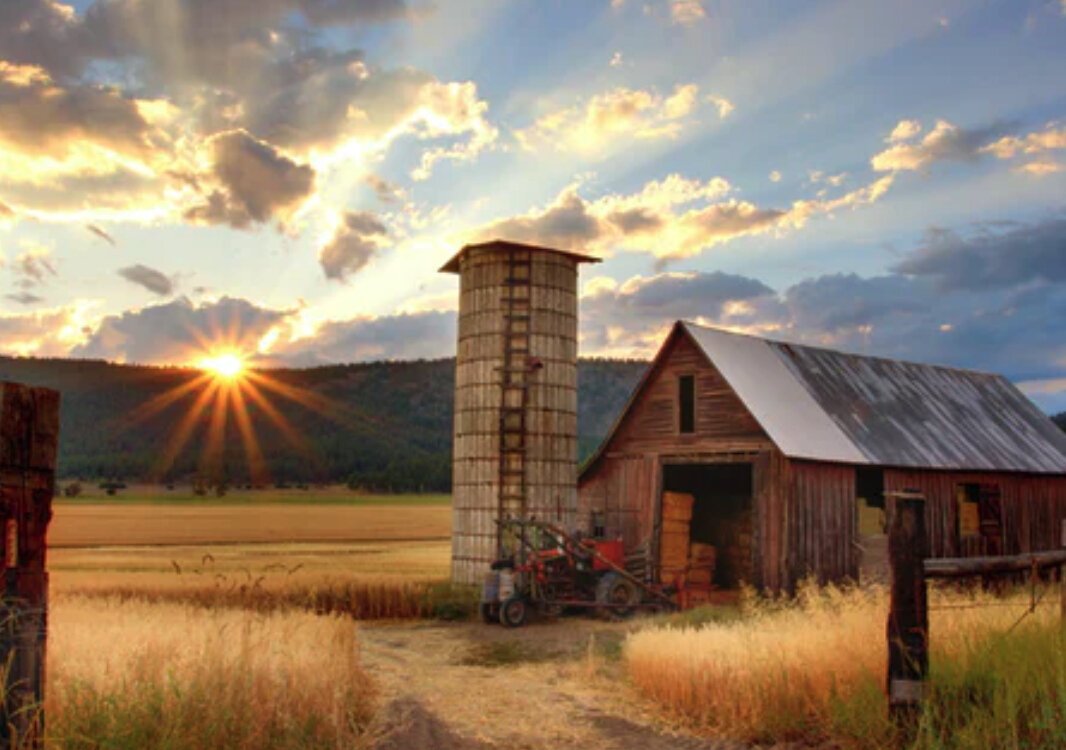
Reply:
x=514, y=384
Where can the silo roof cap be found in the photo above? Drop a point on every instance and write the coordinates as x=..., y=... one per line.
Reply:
x=452, y=266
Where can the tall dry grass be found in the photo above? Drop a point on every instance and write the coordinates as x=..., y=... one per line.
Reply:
x=139, y=675
x=814, y=669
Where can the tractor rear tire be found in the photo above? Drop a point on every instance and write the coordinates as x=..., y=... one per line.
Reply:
x=513, y=612
x=615, y=590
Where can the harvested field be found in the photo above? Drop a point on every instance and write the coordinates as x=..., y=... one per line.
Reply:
x=84, y=524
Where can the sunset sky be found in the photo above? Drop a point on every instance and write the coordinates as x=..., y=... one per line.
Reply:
x=283, y=178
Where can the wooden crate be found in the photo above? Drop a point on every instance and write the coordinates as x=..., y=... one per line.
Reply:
x=677, y=506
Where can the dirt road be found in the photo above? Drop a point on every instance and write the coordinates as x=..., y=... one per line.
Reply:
x=475, y=687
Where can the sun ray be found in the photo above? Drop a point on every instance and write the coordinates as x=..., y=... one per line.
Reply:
x=165, y=399
x=212, y=452
x=258, y=471
x=185, y=427
x=335, y=411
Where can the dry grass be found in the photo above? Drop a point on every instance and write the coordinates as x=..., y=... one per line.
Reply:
x=108, y=524
x=815, y=670
x=367, y=581
x=136, y=675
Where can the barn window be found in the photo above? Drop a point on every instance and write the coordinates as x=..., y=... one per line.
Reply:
x=980, y=515
x=686, y=404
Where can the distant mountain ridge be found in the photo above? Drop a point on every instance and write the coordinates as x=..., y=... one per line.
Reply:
x=382, y=425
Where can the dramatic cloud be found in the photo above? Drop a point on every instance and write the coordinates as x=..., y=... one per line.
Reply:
x=1033, y=144
x=152, y=280
x=622, y=112
x=181, y=331
x=992, y=260
x=258, y=183
x=42, y=333
x=102, y=234
x=183, y=77
x=355, y=242
x=665, y=219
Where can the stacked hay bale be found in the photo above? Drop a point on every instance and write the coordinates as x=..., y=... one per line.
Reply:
x=702, y=559
x=674, y=550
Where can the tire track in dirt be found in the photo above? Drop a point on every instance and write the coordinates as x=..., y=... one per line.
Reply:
x=553, y=687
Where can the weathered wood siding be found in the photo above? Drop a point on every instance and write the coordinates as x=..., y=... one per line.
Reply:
x=820, y=522
x=627, y=482
x=1033, y=508
x=723, y=423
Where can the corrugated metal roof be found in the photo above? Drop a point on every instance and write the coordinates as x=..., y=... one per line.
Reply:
x=830, y=406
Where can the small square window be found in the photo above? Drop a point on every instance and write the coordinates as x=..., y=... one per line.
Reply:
x=686, y=403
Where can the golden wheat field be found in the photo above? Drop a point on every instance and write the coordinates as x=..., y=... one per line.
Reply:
x=152, y=523
x=139, y=675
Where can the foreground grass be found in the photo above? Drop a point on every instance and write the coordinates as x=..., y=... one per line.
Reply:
x=138, y=675
x=813, y=671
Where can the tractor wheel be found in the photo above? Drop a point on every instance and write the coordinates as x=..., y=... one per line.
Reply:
x=513, y=612
x=490, y=612
x=615, y=590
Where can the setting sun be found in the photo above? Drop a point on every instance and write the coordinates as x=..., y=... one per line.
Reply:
x=225, y=365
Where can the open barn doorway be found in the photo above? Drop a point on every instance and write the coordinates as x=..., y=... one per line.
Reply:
x=722, y=515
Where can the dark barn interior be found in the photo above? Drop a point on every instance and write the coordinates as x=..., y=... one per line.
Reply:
x=721, y=516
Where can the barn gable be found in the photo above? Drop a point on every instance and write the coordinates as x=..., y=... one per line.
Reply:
x=649, y=420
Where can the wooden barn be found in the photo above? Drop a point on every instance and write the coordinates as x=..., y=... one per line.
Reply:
x=785, y=447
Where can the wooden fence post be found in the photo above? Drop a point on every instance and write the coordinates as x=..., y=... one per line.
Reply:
x=908, y=618
x=29, y=439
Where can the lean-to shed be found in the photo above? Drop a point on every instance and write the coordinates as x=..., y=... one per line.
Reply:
x=788, y=450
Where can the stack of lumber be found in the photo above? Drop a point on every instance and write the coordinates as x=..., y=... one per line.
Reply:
x=702, y=558
x=674, y=550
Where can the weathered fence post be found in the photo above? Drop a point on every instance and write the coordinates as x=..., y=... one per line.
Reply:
x=908, y=618
x=29, y=438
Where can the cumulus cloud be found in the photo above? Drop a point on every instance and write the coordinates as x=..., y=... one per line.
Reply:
x=668, y=219
x=43, y=333
x=687, y=12
x=775, y=176
x=421, y=335
x=182, y=74
x=181, y=331
x=904, y=131
x=725, y=107
x=356, y=240
x=992, y=259
x=257, y=183
x=154, y=281
x=619, y=113
x=383, y=189
x=945, y=142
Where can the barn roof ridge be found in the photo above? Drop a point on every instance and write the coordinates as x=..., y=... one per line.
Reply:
x=822, y=404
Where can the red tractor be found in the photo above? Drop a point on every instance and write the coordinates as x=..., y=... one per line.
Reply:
x=552, y=571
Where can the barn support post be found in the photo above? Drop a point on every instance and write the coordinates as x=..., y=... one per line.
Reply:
x=908, y=618
x=29, y=437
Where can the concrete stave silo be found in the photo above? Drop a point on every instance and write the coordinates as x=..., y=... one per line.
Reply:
x=515, y=432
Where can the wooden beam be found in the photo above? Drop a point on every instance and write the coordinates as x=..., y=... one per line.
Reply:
x=908, y=618
x=962, y=567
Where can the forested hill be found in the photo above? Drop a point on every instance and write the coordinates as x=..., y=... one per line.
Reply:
x=380, y=425
x=1060, y=420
